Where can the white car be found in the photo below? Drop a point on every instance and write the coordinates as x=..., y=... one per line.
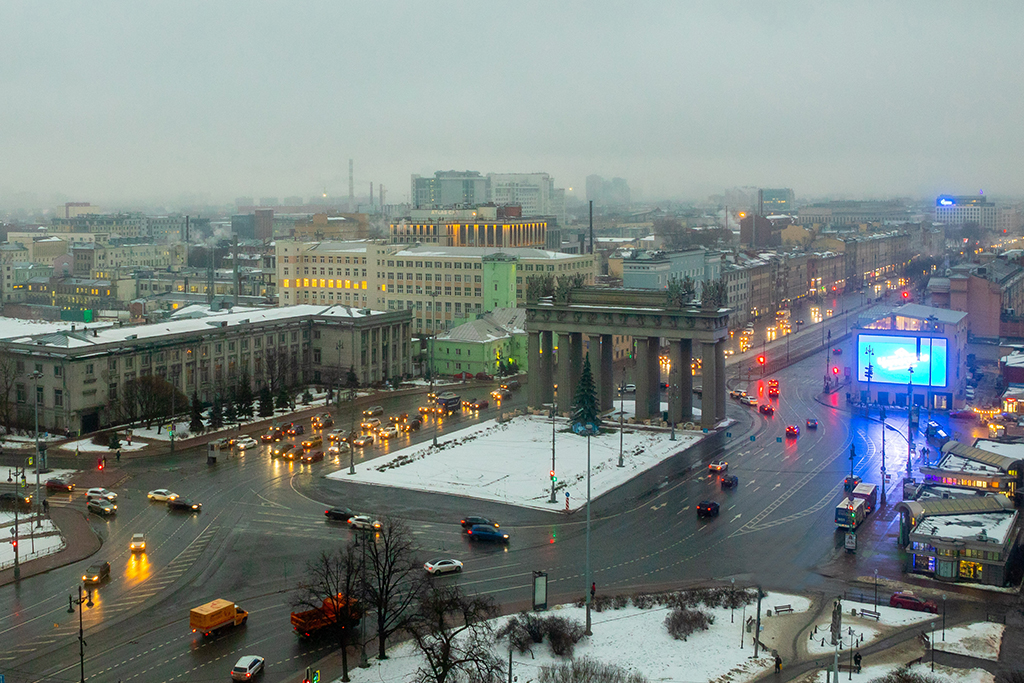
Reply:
x=629, y=389
x=101, y=506
x=161, y=495
x=442, y=565
x=246, y=442
x=247, y=667
x=101, y=493
x=389, y=432
x=338, y=447
x=363, y=522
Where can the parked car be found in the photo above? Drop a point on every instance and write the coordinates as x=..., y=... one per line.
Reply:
x=246, y=443
x=161, y=495
x=339, y=514
x=96, y=573
x=470, y=522
x=59, y=485
x=101, y=493
x=792, y=431
x=963, y=414
x=138, y=544
x=907, y=600
x=363, y=523
x=484, y=376
x=312, y=456
x=184, y=505
x=481, y=532
x=766, y=408
x=707, y=508
x=812, y=423
x=442, y=565
x=363, y=440
x=373, y=411
x=719, y=466
x=246, y=668
x=15, y=501
x=730, y=481
x=101, y=506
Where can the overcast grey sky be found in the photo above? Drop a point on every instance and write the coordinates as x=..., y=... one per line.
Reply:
x=111, y=101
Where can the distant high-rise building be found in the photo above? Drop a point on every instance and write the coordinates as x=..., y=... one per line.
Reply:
x=966, y=209
x=263, y=227
x=243, y=226
x=741, y=198
x=604, y=192
x=535, y=192
x=449, y=188
x=777, y=202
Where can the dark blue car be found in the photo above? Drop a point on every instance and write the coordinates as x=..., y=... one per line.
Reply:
x=480, y=532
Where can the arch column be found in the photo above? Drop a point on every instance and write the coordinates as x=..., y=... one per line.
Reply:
x=680, y=381
x=647, y=398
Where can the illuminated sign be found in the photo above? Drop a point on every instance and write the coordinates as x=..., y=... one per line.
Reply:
x=892, y=358
x=945, y=201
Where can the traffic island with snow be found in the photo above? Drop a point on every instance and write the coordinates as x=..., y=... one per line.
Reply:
x=510, y=461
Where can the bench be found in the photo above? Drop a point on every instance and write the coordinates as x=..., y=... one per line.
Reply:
x=783, y=609
x=870, y=613
x=850, y=667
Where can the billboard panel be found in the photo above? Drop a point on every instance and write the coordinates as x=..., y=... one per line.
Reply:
x=891, y=358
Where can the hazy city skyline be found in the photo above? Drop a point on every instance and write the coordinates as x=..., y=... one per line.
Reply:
x=114, y=102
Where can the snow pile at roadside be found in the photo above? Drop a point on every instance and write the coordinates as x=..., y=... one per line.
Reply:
x=943, y=674
x=981, y=640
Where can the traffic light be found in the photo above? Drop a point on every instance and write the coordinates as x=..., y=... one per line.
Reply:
x=14, y=543
x=906, y=295
x=308, y=678
x=99, y=463
x=760, y=360
x=552, y=475
x=835, y=369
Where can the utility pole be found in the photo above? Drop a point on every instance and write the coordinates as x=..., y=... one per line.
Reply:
x=881, y=412
x=554, y=409
x=588, y=579
x=17, y=566
x=81, y=636
x=36, y=502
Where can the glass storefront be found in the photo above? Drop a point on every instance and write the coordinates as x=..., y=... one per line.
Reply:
x=970, y=570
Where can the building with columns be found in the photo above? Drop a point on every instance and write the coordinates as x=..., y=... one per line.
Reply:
x=601, y=314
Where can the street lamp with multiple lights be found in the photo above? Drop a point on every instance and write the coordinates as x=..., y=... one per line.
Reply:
x=87, y=601
x=35, y=503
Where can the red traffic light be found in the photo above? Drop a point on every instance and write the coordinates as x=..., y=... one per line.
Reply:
x=835, y=370
x=760, y=360
x=906, y=295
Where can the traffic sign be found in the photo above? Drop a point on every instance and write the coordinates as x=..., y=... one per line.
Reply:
x=778, y=439
x=753, y=438
x=728, y=434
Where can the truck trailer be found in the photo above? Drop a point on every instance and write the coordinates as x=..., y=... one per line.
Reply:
x=215, y=615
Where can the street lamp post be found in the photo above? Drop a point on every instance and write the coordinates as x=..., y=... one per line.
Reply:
x=881, y=413
x=868, y=371
x=36, y=502
x=621, y=413
x=910, y=408
x=732, y=603
x=554, y=409
x=943, y=617
x=588, y=579
x=87, y=601
x=876, y=588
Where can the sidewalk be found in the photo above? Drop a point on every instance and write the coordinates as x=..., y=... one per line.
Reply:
x=81, y=542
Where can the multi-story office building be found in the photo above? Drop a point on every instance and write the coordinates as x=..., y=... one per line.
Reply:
x=952, y=210
x=826, y=273
x=776, y=202
x=95, y=260
x=482, y=226
x=84, y=371
x=449, y=188
x=604, y=192
x=647, y=269
x=166, y=228
x=120, y=225
x=440, y=284
x=853, y=213
x=534, y=192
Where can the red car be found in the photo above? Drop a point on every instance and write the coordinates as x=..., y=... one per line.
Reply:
x=58, y=485
x=907, y=600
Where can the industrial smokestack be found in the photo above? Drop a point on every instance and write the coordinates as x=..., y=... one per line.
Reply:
x=186, y=256
x=234, y=261
x=591, y=226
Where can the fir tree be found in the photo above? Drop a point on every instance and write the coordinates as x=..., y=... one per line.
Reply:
x=115, y=441
x=282, y=399
x=266, y=408
x=196, y=424
x=245, y=397
x=217, y=414
x=351, y=379
x=307, y=397
x=230, y=414
x=584, y=403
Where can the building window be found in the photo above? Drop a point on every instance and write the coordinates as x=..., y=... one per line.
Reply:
x=40, y=396
x=58, y=371
x=89, y=369
x=316, y=356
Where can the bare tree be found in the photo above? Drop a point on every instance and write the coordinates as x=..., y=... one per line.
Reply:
x=394, y=580
x=332, y=581
x=8, y=379
x=452, y=633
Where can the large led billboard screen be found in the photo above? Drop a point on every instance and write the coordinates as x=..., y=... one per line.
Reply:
x=892, y=357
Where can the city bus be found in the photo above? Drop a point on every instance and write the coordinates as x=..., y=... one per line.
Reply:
x=850, y=513
x=869, y=494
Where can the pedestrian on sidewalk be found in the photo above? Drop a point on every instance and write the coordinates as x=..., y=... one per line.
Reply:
x=778, y=664
x=593, y=590
x=856, y=661
x=119, y=455
x=46, y=506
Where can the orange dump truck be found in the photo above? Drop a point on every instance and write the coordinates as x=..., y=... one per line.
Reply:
x=309, y=622
x=215, y=615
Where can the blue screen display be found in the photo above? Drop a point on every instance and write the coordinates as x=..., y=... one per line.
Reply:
x=892, y=357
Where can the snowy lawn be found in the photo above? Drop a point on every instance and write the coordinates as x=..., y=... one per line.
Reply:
x=888, y=616
x=87, y=446
x=30, y=545
x=982, y=640
x=635, y=639
x=510, y=462
x=860, y=631
x=942, y=674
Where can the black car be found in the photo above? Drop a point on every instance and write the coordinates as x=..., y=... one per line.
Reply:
x=470, y=522
x=11, y=501
x=707, y=508
x=184, y=504
x=730, y=481
x=96, y=573
x=339, y=514
x=812, y=423
x=766, y=408
x=412, y=425
x=297, y=429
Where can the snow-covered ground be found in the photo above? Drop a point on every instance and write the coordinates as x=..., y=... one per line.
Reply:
x=510, y=462
x=87, y=446
x=860, y=631
x=982, y=640
x=30, y=545
x=637, y=640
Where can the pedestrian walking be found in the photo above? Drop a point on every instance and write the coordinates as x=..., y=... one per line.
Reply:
x=593, y=590
x=778, y=664
x=129, y=437
x=46, y=506
x=856, y=661
x=119, y=455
